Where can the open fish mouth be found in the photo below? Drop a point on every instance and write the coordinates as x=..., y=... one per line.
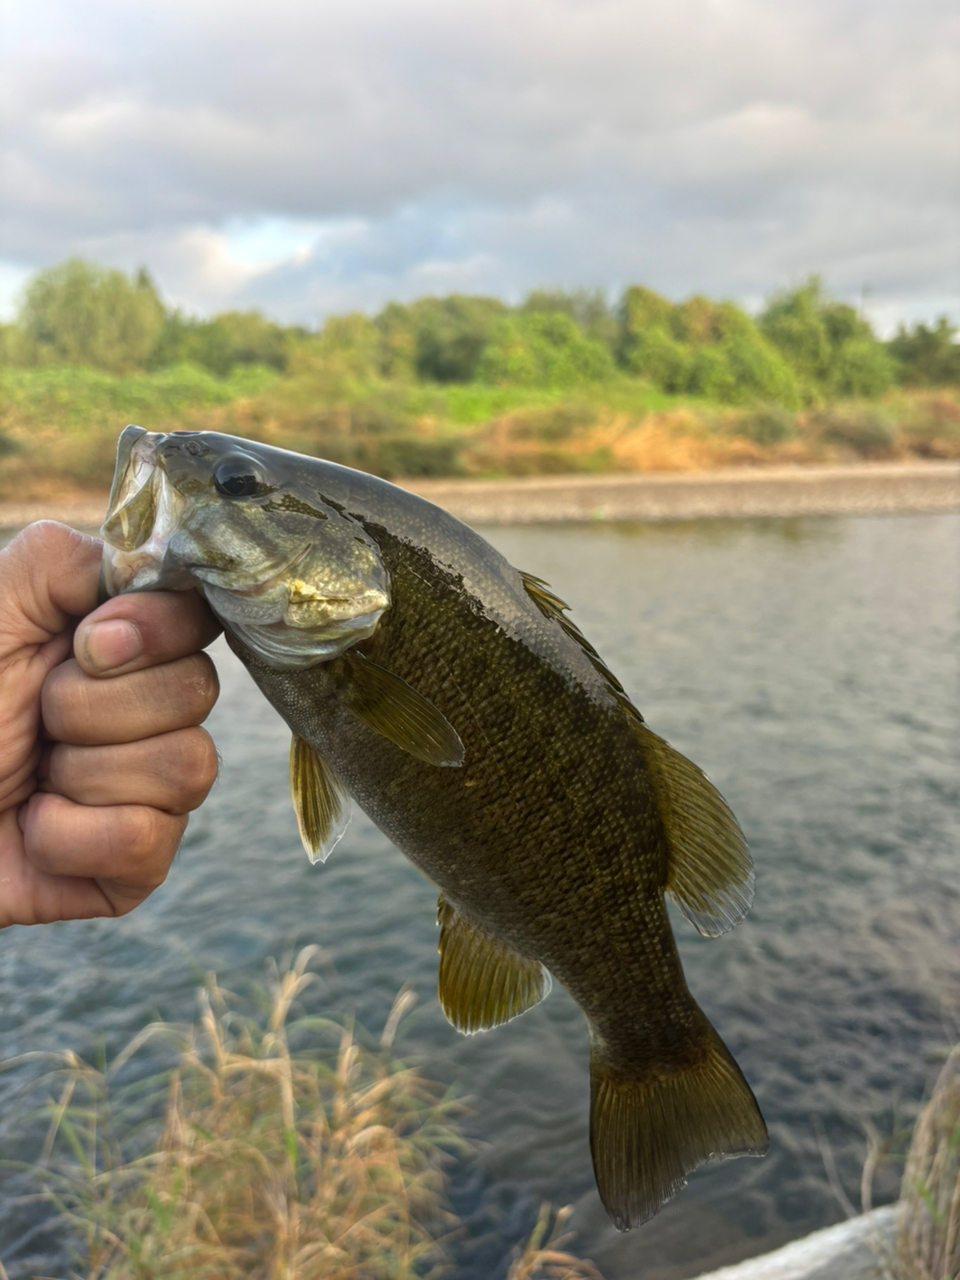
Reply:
x=144, y=512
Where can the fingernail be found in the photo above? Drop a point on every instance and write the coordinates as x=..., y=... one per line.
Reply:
x=110, y=644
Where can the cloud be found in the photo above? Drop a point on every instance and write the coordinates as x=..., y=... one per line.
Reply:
x=312, y=157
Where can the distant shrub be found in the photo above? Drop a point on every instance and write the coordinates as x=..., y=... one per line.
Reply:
x=766, y=424
x=930, y=425
x=829, y=344
x=587, y=308
x=655, y=355
x=347, y=346
x=867, y=431
x=543, y=349
x=450, y=335
x=229, y=339
x=758, y=371
x=927, y=355
x=436, y=339
x=416, y=458
x=860, y=368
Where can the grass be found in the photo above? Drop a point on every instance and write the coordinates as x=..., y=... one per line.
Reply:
x=927, y=1243
x=58, y=426
x=283, y=1149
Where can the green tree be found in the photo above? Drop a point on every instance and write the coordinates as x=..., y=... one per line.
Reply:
x=587, y=308
x=927, y=356
x=398, y=342
x=348, y=345
x=450, y=335
x=543, y=349
x=641, y=310
x=229, y=339
x=655, y=355
x=79, y=313
x=830, y=345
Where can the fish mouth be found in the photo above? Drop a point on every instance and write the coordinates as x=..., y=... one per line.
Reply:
x=143, y=513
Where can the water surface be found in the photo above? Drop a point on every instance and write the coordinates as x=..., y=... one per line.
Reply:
x=812, y=668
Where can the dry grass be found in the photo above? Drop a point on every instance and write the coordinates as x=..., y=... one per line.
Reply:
x=544, y=1257
x=927, y=1245
x=271, y=1163
x=285, y=1151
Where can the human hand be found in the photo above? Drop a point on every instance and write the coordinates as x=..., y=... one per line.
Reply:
x=101, y=754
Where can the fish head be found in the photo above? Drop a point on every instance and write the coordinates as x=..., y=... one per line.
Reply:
x=288, y=572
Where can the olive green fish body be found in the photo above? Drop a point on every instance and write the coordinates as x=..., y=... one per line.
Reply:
x=466, y=714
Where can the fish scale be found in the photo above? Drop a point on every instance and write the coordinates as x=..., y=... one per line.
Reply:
x=454, y=699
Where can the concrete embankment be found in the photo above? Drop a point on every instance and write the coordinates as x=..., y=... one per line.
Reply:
x=853, y=1250
x=874, y=489
x=877, y=489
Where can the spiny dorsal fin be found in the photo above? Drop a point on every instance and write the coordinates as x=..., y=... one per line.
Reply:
x=319, y=801
x=483, y=983
x=711, y=874
x=552, y=606
x=404, y=717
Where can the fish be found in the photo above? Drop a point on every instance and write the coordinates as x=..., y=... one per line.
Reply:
x=454, y=699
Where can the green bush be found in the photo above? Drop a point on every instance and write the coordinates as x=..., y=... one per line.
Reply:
x=927, y=356
x=587, y=308
x=81, y=397
x=767, y=424
x=867, y=431
x=230, y=339
x=860, y=367
x=543, y=349
x=832, y=348
x=655, y=355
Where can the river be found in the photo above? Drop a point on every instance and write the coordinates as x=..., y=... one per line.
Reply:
x=812, y=668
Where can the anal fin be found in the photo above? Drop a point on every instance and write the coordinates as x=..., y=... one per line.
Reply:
x=319, y=801
x=482, y=982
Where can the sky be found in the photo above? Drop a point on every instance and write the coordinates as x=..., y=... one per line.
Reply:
x=310, y=157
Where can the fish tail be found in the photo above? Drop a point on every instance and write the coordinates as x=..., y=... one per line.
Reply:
x=650, y=1128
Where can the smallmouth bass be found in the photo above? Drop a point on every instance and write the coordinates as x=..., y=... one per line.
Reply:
x=453, y=698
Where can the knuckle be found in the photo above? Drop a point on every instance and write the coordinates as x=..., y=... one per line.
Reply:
x=144, y=844
x=195, y=685
x=197, y=767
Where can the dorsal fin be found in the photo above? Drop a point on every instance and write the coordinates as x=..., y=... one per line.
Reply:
x=710, y=873
x=482, y=982
x=551, y=606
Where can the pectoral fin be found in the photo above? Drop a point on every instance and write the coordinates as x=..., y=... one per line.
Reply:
x=404, y=717
x=319, y=801
x=711, y=873
x=483, y=983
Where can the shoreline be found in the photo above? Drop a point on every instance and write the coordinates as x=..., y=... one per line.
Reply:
x=910, y=488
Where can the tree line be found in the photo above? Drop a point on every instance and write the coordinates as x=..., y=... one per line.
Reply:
x=804, y=347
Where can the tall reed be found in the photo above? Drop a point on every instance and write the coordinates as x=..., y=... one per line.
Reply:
x=283, y=1149
x=927, y=1244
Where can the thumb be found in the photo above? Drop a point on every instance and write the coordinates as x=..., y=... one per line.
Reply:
x=48, y=574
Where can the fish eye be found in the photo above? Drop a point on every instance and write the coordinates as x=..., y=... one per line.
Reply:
x=239, y=478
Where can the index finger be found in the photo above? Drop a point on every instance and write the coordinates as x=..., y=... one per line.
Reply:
x=143, y=629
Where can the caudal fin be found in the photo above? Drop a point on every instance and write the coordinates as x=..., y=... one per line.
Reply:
x=648, y=1132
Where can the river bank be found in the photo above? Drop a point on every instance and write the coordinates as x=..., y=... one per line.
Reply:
x=865, y=489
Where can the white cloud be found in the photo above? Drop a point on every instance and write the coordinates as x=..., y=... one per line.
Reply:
x=311, y=157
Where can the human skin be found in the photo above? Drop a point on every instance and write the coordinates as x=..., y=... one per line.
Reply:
x=102, y=756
